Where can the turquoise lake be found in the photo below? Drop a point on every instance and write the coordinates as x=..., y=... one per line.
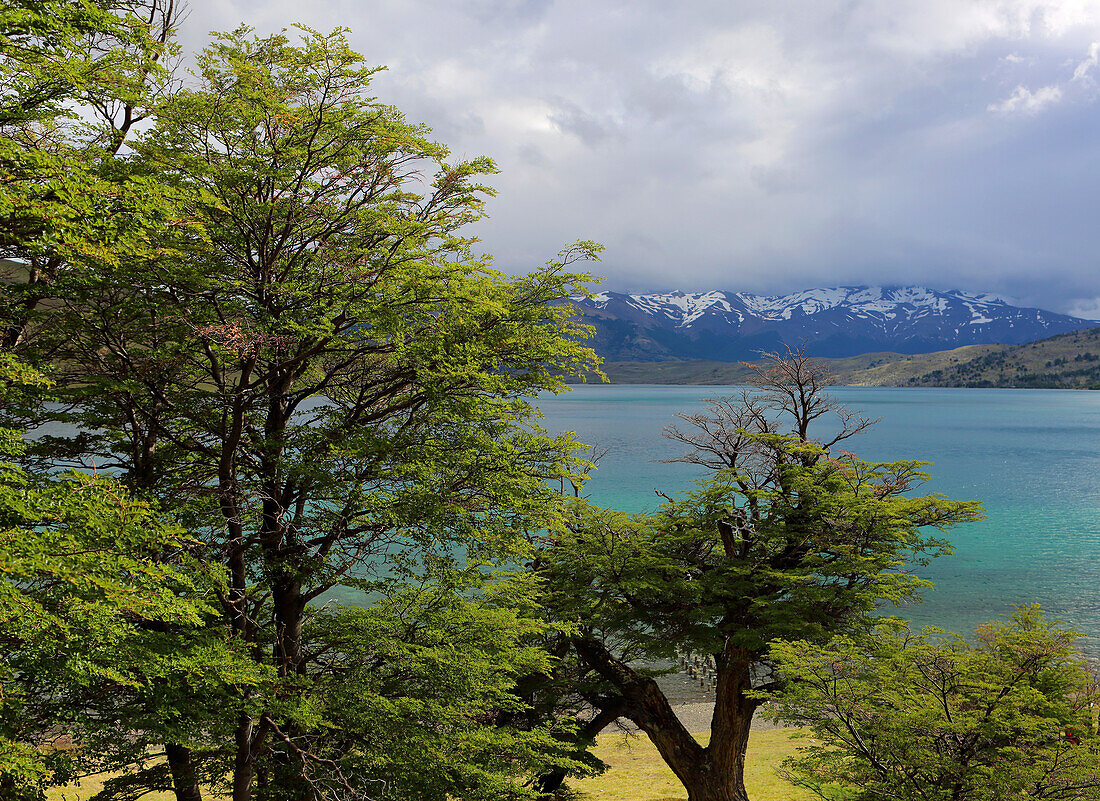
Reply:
x=1032, y=457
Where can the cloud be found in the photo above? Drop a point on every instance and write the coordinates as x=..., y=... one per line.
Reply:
x=1081, y=73
x=776, y=179
x=591, y=129
x=754, y=145
x=1087, y=308
x=1023, y=100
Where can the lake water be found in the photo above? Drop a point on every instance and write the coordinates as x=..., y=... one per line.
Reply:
x=1032, y=457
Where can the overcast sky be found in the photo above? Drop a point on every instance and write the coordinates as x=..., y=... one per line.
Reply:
x=758, y=146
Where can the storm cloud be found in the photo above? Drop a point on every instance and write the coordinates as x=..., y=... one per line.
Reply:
x=758, y=146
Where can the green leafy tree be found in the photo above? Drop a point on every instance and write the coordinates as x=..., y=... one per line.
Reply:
x=898, y=715
x=75, y=80
x=785, y=540
x=96, y=599
x=331, y=394
x=421, y=693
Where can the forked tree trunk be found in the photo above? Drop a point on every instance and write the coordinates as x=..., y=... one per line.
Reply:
x=713, y=773
x=724, y=778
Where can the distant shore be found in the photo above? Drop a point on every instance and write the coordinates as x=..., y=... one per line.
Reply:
x=1067, y=361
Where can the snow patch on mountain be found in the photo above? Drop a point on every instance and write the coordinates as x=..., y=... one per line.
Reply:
x=897, y=304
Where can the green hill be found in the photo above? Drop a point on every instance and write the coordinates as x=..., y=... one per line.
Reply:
x=1067, y=361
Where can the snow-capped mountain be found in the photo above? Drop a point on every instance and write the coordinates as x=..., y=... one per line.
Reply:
x=837, y=321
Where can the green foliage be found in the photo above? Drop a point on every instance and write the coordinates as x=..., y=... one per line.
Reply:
x=54, y=52
x=321, y=383
x=417, y=688
x=76, y=78
x=93, y=595
x=833, y=538
x=899, y=715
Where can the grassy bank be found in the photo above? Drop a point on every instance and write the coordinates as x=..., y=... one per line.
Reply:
x=89, y=787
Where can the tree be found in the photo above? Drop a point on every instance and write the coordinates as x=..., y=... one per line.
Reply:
x=785, y=540
x=324, y=386
x=96, y=599
x=926, y=716
x=91, y=559
x=76, y=79
x=421, y=695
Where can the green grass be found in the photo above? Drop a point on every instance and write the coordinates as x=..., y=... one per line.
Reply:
x=89, y=787
x=637, y=773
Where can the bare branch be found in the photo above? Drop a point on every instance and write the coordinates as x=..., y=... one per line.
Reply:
x=786, y=395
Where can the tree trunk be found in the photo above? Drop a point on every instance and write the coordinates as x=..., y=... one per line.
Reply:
x=715, y=788
x=288, y=775
x=185, y=781
x=729, y=729
x=243, y=762
x=262, y=783
x=714, y=773
x=647, y=707
x=550, y=782
x=288, y=608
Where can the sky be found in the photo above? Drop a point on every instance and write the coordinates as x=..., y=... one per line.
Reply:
x=761, y=147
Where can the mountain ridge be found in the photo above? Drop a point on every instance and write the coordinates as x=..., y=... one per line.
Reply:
x=829, y=321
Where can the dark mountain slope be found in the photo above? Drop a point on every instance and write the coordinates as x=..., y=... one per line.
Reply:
x=836, y=322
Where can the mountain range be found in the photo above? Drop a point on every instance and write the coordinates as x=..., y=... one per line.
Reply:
x=831, y=322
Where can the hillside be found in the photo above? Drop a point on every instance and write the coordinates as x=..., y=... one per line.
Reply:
x=1066, y=361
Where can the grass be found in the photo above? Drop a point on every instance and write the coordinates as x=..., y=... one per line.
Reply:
x=638, y=774
x=89, y=787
